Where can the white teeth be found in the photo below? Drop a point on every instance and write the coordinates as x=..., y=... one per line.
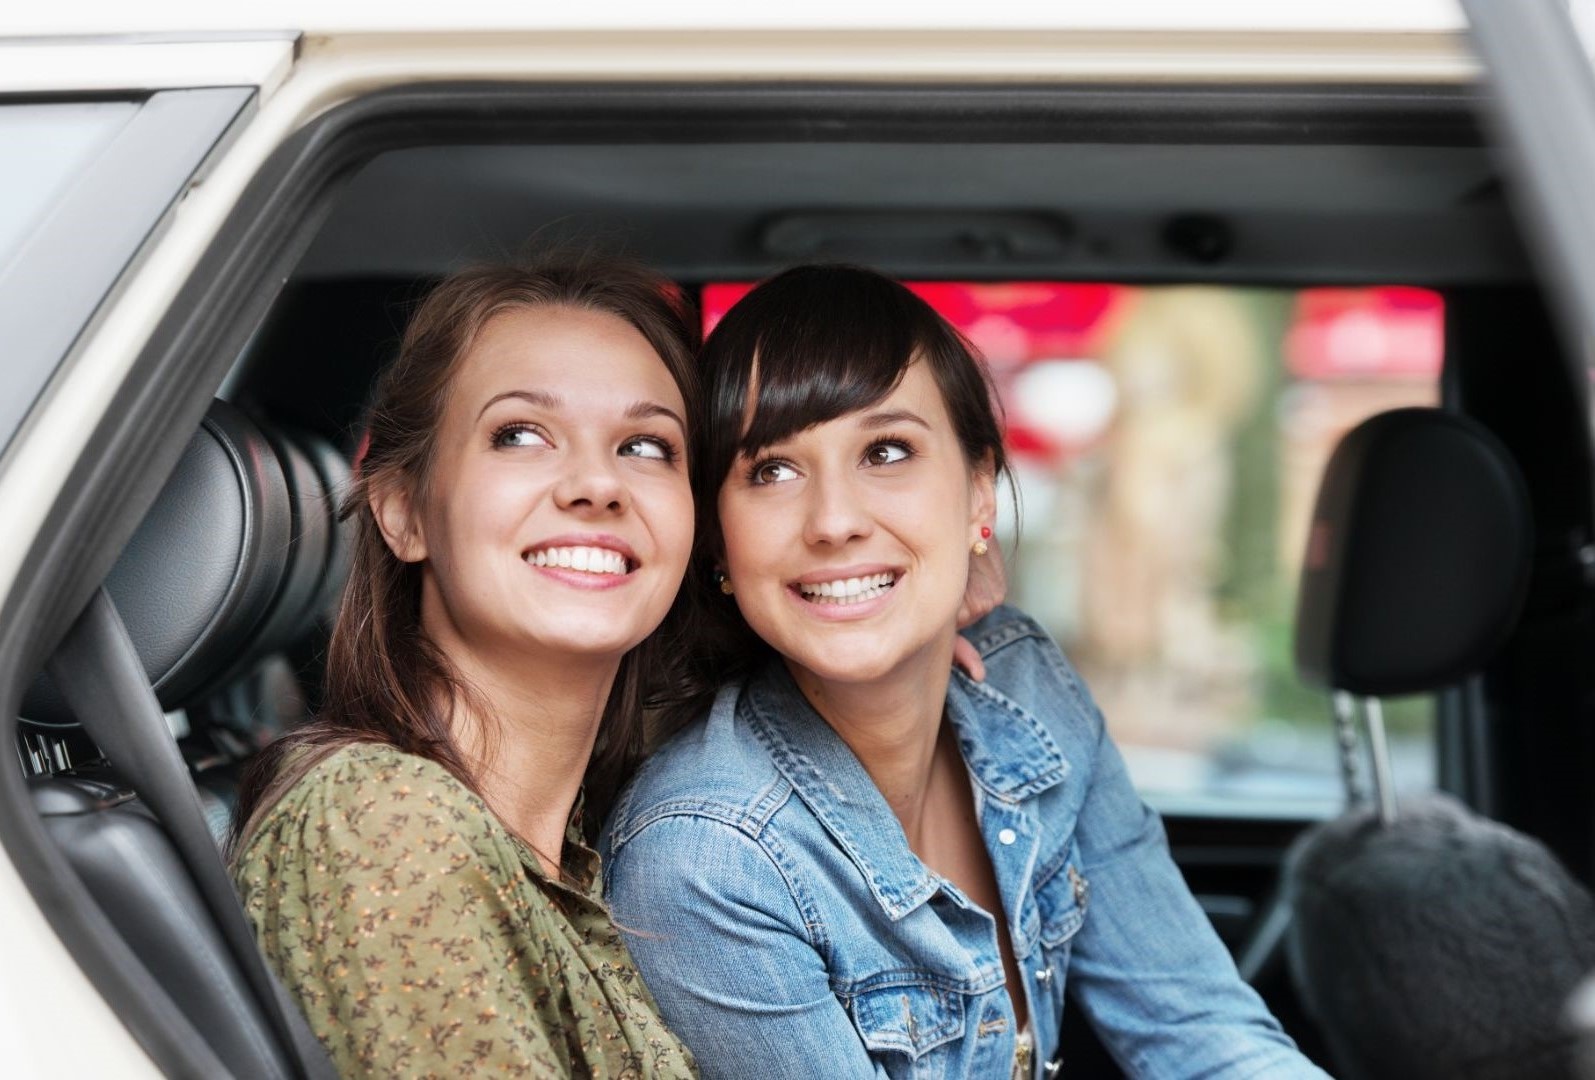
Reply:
x=848, y=590
x=592, y=560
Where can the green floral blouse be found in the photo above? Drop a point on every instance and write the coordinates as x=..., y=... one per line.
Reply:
x=422, y=939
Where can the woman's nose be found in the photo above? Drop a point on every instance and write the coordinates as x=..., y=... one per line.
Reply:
x=836, y=513
x=592, y=482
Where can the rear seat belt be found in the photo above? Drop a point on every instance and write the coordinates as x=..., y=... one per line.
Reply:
x=98, y=671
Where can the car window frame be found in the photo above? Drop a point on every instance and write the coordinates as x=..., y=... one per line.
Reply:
x=233, y=285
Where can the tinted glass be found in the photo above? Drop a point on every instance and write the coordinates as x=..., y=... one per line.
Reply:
x=47, y=149
x=83, y=186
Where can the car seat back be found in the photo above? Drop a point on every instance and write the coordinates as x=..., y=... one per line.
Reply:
x=1425, y=941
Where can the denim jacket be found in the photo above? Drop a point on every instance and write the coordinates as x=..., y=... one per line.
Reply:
x=786, y=930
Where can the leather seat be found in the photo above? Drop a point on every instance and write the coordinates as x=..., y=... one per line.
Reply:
x=261, y=695
x=1426, y=941
x=239, y=554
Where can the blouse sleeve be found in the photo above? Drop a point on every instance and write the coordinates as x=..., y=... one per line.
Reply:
x=391, y=914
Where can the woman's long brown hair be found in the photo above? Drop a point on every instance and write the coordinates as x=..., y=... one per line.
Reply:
x=386, y=683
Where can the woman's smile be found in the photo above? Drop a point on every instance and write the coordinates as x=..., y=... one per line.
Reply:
x=848, y=593
x=584, y=562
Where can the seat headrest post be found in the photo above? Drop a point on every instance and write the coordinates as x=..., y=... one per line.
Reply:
x=1384, y=785
x=1348, y=710
x=1347, y=743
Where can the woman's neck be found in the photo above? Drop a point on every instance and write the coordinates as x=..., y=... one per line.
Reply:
x=892, y=726
x=530, y=752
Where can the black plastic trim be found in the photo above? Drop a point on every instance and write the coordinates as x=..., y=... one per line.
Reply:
x=488, y=113
x=233, y=285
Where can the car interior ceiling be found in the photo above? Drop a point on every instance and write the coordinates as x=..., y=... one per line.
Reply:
x=1514, y=742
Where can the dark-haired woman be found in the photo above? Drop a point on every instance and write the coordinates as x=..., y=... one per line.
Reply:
x=859, y=863
x=412, y=861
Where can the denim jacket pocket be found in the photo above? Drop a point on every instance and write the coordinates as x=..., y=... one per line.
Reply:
x=912, y=1020
x=1062, y=897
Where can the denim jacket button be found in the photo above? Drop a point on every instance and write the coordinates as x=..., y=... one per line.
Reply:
x=1007, y=836
x=1052, y=1068
x=1043, y=975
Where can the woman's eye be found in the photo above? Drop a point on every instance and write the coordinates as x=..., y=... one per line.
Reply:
x=645, y=446
x=773, y=472
x=518, y=435
x=886, y=453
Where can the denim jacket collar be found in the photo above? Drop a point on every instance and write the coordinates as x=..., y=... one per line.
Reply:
x=1010, y=755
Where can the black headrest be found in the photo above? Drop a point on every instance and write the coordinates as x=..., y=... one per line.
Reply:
x=317, y=558
x=1418, y=558
x=240, y=552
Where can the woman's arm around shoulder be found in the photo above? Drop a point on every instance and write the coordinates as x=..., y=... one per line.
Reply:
x=1025, y=665
x=728, y=952
x=391, y=911
x=1146, y=967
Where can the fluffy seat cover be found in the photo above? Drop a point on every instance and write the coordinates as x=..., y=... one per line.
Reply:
x=1444, y=945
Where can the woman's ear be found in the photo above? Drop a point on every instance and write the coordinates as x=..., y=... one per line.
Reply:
x=393, y=506
x=983, y=494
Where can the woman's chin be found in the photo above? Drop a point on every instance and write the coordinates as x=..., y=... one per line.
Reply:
x=852, y=666
x=582, y=640
x=856, y=655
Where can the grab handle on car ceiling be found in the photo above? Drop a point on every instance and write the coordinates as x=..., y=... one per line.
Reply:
x=99, y=673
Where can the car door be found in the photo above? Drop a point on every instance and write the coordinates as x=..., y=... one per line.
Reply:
x=104, y=141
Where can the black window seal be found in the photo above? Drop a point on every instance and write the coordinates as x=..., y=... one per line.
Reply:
x=236, y=280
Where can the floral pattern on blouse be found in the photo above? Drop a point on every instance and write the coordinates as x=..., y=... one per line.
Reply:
x=422, y=939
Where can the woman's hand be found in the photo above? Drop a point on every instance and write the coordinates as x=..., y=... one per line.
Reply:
x=988, y=586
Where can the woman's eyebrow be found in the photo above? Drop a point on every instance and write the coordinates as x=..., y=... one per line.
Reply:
x=890, y=418
x=540, y=398
x=643, y=410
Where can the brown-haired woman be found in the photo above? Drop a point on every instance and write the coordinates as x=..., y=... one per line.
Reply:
x=412, y=860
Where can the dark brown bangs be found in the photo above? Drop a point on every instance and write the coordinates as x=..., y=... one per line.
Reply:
x=817, y=342
x=815, y=369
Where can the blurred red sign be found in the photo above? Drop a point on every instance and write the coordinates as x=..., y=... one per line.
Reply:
x=1389, y=332
x=1011, y=322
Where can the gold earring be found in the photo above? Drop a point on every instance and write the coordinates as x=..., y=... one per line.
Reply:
x=725, y=585
x=979, y=547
